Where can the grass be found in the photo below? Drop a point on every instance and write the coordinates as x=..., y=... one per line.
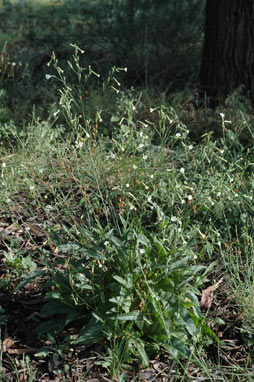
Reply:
x=118, y=208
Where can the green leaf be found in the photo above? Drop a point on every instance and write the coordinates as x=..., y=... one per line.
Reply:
x=54, y=296
x=115, y=118
x=53, y=326
x=122, y=377
x=30, y=277
x=171, y=350
x=97, y=254
x=189, y=325
x=90, y=333
x=56, y=307
x=195, y=303
x=92, y=178
x=122, y=281
x=206, y=330
x=181, y=346
x=68, y=247
x=119, y=279
x=44, y=351
x=131, y=316
x=118, y=243
x=141, y=350
x=177, y=348
x=125, y=129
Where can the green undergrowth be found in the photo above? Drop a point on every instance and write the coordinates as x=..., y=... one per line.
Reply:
x=144, y=36
x=123, y=197
x=127, y=216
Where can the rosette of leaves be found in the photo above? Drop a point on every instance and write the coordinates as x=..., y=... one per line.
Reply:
x=134, y=291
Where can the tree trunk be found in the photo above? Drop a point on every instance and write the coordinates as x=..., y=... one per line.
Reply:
x=228, y=52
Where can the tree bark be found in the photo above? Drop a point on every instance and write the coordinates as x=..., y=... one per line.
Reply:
x=228, y=52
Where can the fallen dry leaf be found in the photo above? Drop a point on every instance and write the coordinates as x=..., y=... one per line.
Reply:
x=207, y=295
x=23, y=351
x=7, y=343
x=22, y=377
